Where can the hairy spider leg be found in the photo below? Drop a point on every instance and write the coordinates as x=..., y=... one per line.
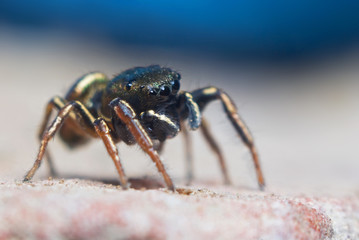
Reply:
x=104, y=132
x=127, y=115
x=215, y=148
x=194, y=113
x=194, y=121
x=189, y=153
x=66, y=111
x=58, y=103
x=205, y=95
x=83, y=89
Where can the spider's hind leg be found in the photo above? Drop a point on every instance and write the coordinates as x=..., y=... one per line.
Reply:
x=54, y=103
x=50, y=132
x=189, y=153
x=204, y=96
x=215, y=148
x=76, y=110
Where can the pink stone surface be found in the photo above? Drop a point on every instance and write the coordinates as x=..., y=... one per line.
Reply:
x=81, y=209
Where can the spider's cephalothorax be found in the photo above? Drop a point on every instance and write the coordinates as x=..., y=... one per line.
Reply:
x=141, y=105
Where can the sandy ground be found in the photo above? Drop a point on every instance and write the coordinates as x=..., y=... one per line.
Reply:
x=304, y=120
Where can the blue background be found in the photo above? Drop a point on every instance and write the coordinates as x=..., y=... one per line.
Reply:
x=264, y=30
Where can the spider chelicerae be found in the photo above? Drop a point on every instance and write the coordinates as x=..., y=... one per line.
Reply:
x=141, y=105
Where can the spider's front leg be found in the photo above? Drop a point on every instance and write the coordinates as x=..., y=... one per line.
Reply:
x=127, y=115
x=205, y=95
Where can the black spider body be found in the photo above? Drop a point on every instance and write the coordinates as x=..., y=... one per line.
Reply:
x=141, y=105
x=146, y=89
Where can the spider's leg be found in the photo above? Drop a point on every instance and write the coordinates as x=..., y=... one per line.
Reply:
x=125, y=112
x=104, y=132
x=215, y=148
x=194, y=121
x=58, y=103
x=189, y=153
x=81, y=111
x=47, y=136
x=54, y=127
x=194, y=113
x=205, y=95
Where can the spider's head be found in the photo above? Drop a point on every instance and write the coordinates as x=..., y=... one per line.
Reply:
x=161, y=85
x=146, y=87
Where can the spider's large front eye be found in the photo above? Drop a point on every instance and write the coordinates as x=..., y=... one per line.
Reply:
x=175, y=85
x=165, y=91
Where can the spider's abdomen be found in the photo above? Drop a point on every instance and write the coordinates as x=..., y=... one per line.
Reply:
x=84, y=90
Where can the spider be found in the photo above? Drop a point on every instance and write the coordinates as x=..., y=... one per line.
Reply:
x=141, y=105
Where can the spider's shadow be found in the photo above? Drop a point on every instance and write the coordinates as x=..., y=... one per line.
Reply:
x=136, y=183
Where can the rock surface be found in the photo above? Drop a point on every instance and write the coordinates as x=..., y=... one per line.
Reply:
x=82, y=209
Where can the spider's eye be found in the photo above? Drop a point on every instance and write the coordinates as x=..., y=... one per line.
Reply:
x=153, y=91
x=128, y=86
x=175, y=85
x=165, y=91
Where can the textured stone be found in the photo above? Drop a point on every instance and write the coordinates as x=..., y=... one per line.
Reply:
x=80, y=209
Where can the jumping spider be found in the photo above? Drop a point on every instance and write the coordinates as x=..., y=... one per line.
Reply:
x=141, y=105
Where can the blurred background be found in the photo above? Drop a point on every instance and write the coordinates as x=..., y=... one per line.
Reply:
x=291, y=67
